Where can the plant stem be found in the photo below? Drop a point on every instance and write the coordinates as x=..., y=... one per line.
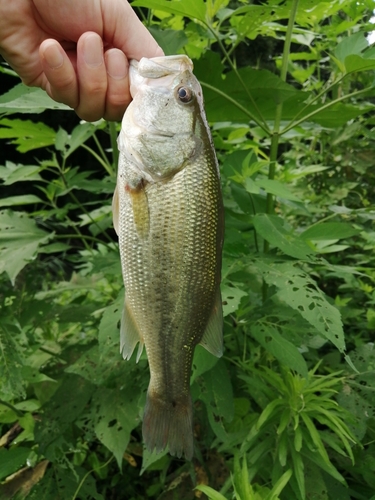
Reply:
x=100, y=160
x=322, y=108
x=259, y=121
x=11, y=407
x=278, y=113
x=113, y=136
x=237, y=104
x=101, y=150
x=276, y=127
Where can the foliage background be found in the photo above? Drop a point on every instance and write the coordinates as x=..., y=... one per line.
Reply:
x=288, y=413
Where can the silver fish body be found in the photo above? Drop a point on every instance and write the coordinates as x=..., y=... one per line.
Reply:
x=168, y=215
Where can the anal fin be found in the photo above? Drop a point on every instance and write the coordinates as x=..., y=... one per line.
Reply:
x=129, y=335
x=213, y=336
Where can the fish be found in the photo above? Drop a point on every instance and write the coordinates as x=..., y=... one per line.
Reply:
x=168, y=215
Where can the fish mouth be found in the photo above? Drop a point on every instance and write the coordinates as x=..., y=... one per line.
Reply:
x=150, y=71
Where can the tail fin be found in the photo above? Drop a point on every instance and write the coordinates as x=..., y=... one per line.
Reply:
x=168, y=423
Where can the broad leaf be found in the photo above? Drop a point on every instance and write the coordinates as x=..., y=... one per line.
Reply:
x=11, y=381
x=329, y=231
x=26, y=134
x=22, y=99
x=216, y=392
x=193, y=9
x=279, y=347
x=12, y=460
x=171, y=41
x=19, y=242
x=277, y=232
x=299, y=291
x=116, y=416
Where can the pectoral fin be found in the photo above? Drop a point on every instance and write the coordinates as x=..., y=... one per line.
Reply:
x=213, y=336
x=115, y=210
x=129, y=335
x=140, y=208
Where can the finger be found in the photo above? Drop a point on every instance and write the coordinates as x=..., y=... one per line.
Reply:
x=61, y=84
x=92, y=77
x=124, y=30
x=118, y=93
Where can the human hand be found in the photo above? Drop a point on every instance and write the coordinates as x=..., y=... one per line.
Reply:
x=76, y=50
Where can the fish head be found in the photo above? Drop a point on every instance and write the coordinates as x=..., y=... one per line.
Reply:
x=160, y=131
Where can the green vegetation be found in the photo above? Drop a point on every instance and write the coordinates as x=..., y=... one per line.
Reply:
x=289, y=412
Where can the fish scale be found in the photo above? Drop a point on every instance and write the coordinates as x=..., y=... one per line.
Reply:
x=170, y=227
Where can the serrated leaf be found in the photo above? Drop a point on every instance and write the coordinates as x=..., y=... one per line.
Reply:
x=300, y=292
x=116, y=417
x=278, y=233
x=23, y=99
x=11, y=382
x=19, y=242
x=12, y=173
x=231, y=298
x=279, y=347
x=217, y=394
x=64, y=407
x=193, y=9
x=79, y=135
x=26, y=134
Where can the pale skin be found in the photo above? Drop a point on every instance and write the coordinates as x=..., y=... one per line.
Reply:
x=78, y=51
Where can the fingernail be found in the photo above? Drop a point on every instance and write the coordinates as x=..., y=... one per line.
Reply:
x=53, y=56
x=93, y=50
x=116, y=64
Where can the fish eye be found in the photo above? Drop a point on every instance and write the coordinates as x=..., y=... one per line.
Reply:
x=185, y=94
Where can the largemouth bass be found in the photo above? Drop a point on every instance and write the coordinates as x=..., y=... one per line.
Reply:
x=168, y=215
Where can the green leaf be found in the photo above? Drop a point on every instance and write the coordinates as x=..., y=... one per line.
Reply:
x=299, y=475
x=26, y=134
x=354, y=44
x=300, y=292
x=329, y=231
x=23, y=199
x=22, y=99
x=193, y=9
x=11, y=382
x=231, y=297
x=12, y=460
x=12, y=173
x=217, y=394
x=210, y=492
x=19, y=242
x=171, y=41
x=276, y=188
x=277, y=232
x=116, y=417
x=67, y=403
x=279, y=347
x=203, y=361
x=79, y=135
x=268, y=412
x=354, y=63
x=280, y=485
